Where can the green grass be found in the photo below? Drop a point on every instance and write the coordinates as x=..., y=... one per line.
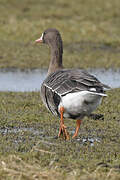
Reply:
x=28, y=147
x=90, y=32
x=91, y=35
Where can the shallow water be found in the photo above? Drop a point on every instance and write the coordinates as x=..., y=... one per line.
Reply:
x=21, y=81
x=30, y=80
x=48, y=140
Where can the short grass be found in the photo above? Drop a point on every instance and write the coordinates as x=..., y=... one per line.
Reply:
x=90, y=30
x=29, y=148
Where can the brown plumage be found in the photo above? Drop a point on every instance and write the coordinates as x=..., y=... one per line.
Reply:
x=60, y=84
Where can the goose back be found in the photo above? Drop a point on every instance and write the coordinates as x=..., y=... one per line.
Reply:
x=66, y=81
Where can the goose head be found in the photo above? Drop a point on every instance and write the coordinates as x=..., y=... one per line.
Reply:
x=51, y=37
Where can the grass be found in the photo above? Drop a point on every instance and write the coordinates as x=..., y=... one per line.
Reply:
x=28, y=146
x=29, y=149
x=90, y=32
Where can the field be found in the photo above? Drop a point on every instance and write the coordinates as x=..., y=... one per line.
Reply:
x=29, y=148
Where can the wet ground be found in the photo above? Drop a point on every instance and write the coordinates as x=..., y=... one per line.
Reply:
x=21, y=136
x=30, y=80
x=91, y=39
x=28, y=136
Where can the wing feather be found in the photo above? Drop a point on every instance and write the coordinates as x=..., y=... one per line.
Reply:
x=70, y=80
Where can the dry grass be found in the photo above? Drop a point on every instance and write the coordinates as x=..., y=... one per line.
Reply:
x=13, y=167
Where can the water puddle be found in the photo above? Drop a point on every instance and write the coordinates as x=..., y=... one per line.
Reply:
x=45, y=140
x=90, y=140
x=16, y=130
x=21, y=81
x=30, y=80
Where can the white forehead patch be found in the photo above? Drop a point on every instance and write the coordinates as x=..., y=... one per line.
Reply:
x=41, y=38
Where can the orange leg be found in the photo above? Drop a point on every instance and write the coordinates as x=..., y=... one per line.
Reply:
x=78, y=123
x=62, y=129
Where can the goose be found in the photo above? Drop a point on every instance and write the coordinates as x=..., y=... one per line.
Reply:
x=68, y=93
